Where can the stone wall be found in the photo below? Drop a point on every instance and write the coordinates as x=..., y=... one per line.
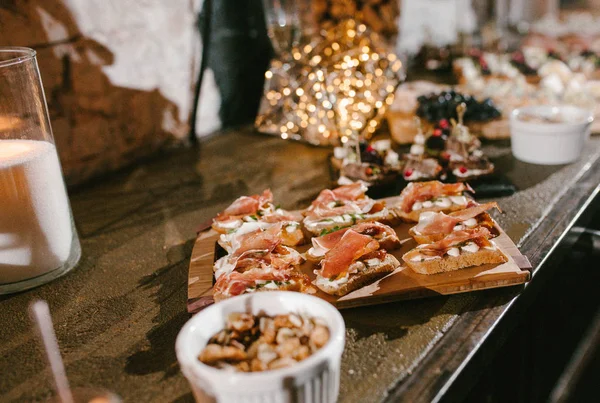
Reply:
x=118, y=75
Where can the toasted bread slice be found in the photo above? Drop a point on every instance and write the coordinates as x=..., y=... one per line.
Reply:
x=355, y=281
x=448, y=263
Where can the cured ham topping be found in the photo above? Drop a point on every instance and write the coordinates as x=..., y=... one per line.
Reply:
x=363, y=206
x=324, y=212
x=279, y=216
x=236, y=283
x=440, y=223
x=473, y=210
x=374, y=230
x=350, y=248
x=284, y=258
x=330, y=240
x=341, y=194
x=422, y=191
x=263, y=240
x=245, y=205
x=453, y=239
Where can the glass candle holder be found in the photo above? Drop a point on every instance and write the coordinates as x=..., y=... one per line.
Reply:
x=38, y=239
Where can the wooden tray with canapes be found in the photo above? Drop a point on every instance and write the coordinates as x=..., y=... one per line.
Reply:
x=402, y=284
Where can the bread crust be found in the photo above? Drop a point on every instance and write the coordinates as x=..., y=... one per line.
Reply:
x=450, y=263
x=358, y=280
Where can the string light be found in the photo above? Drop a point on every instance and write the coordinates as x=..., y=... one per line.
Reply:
x=338, y=88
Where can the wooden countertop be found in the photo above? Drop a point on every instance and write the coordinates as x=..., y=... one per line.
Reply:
x=118, y=313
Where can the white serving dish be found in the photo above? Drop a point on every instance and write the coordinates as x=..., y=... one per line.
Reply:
x=313, y=380
x=550, y=143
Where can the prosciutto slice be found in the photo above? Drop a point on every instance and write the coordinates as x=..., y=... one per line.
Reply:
x=440, y=223
x=236, y=283
x=350, y=248
x=455, y=238
x=262, y=240
x=421, y=191
x=350, y=192
x=375, y=230
x=245, y=205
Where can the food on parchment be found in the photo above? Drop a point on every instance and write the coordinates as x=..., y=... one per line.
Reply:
x=382, y=233
x=260, y=212
x=436, y=196
x=457, y=250
x=433, y=227
x=251, y=343
x=342, y=207
x=355, y=260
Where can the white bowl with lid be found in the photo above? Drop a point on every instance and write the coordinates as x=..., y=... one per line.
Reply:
x=549, y=135
x=312, y=380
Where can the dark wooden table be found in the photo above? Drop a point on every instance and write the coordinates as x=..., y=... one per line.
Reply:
x=118, y=313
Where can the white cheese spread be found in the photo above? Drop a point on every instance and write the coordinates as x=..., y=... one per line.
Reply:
x=471, y=247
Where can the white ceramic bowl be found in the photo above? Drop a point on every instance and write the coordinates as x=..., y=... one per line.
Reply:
x=315, y=379
x=550, y=143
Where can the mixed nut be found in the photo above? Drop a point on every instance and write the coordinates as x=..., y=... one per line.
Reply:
x=252, y=343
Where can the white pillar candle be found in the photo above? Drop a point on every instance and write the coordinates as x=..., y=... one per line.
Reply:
x=35, y=220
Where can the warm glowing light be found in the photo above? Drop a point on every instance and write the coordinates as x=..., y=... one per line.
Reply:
x=269, y=74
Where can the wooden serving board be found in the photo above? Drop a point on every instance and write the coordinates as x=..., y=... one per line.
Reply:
x=402, y=284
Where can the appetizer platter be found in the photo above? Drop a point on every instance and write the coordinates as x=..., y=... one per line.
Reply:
x=448, y=151
x=352, y=250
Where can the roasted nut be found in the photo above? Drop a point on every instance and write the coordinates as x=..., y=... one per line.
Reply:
x=257, y=365
x=243, y=366
x=253, y=349
x=221, y=338
x=319, y=336
x=240, y=322
x=287, y=321
x=283, y=334
x=301, y=353
x=266, y=353
x=237, y=344
x=253, y=343
x=268, y=329
x=282, y=363
x=288, y=347
x=213, y=353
